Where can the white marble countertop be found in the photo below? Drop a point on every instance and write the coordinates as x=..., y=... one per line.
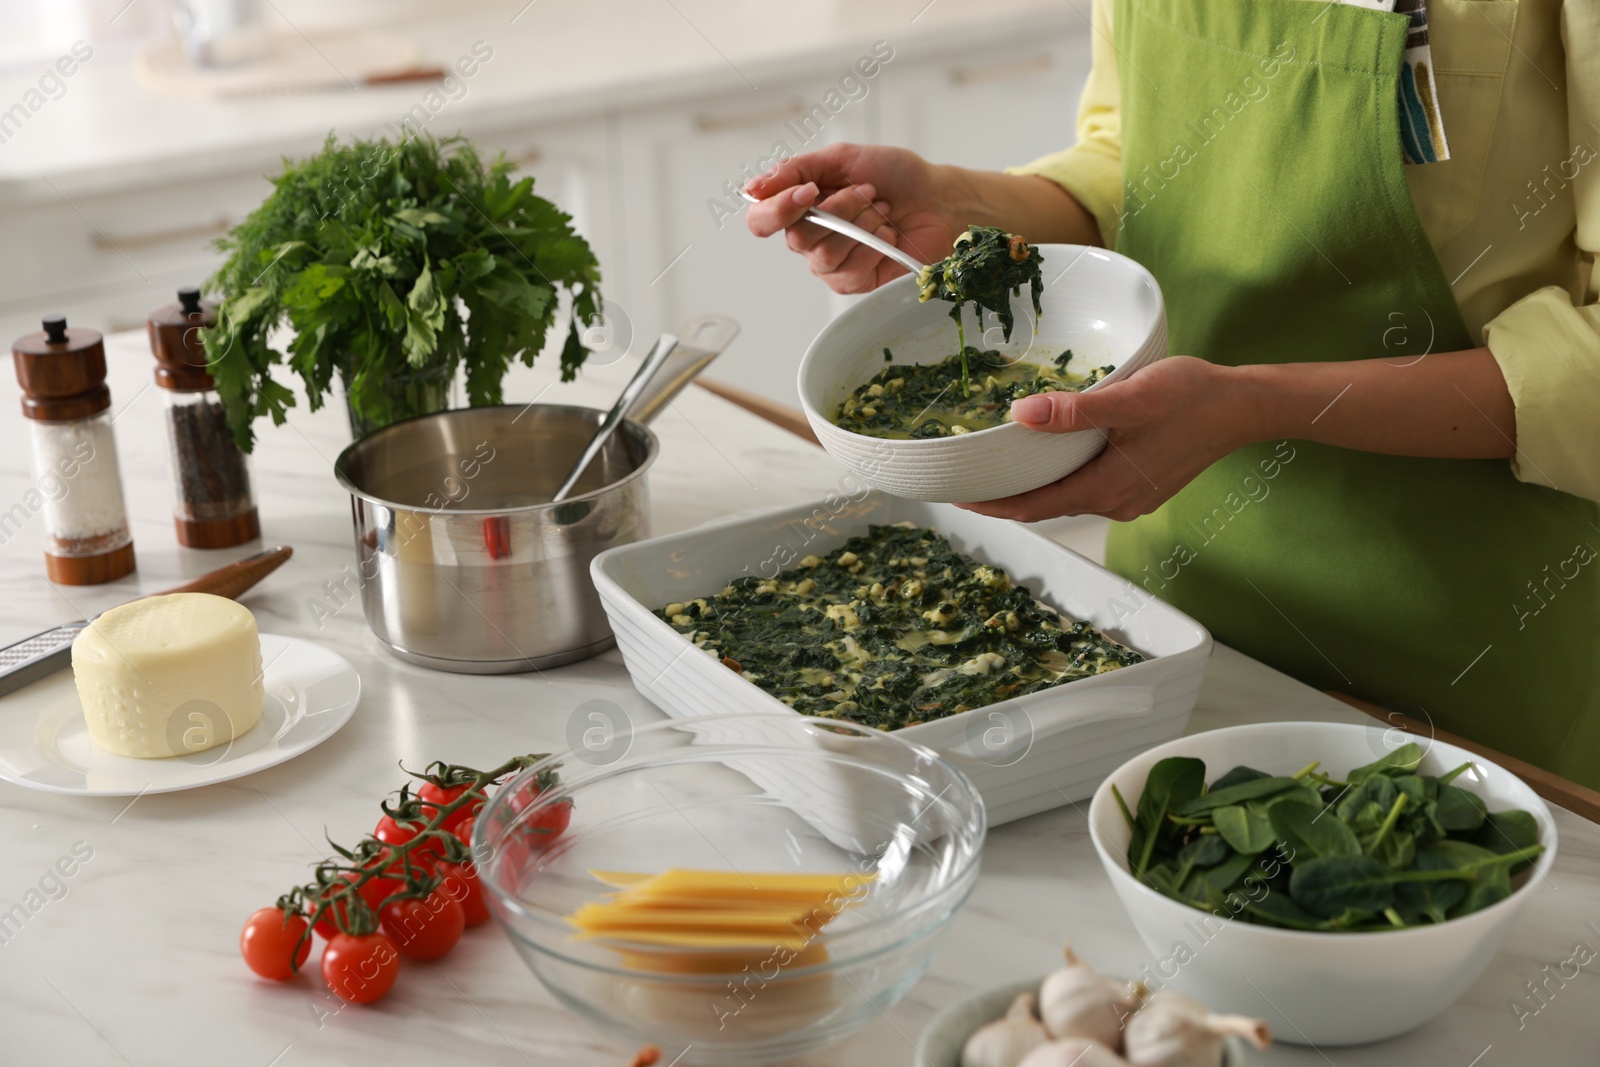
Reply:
x=137, y=963
x=552, y=59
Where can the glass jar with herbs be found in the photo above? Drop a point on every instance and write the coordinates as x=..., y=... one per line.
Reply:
x=213, y=506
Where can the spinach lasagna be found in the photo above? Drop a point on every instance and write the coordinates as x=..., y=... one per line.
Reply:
x=893, y=629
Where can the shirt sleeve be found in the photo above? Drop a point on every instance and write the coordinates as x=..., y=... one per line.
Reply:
x=1091, y=170
x=1548, y=344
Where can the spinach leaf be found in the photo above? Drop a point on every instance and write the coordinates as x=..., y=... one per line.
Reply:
x=1172, y=783
x=1489, y=886
x=1239, y=774
x=1403, y=760
x=1312, y=832
x=1430, y=900
x=1396, y=849
x=1330, y=886
x=1460, y=810
x=1206, y=850
x=1243, y=829
x=1277, y=908
x=1238, y=793
x=1510, y=831
x=1225, y=875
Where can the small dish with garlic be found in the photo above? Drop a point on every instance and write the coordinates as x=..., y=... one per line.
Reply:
x=1076, y=1017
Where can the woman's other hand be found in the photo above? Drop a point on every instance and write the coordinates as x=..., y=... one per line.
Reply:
x=891, y=192
x=1164, y=425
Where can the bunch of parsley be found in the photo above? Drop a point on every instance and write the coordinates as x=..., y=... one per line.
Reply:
x=386, y=259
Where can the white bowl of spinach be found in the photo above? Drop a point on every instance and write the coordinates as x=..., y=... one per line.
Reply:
x=1102, y=319
x=1323, y=876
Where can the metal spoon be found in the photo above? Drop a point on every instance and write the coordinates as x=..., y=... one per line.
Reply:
x=855, y=233
x=675, y=365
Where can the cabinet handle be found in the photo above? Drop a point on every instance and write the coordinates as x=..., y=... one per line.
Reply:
x=1005, y=70
x=525, y=158
x=745, y=119
x=217, y=227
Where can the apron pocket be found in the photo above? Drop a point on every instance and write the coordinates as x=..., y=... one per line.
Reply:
x=1471, y=43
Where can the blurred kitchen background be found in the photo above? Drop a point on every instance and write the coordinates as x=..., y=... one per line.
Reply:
x=639, y=117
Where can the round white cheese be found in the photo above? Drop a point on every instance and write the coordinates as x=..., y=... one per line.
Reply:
x=169, y=675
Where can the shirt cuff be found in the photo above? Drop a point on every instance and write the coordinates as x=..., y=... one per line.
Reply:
x=1549, y=352
x=1092, y=177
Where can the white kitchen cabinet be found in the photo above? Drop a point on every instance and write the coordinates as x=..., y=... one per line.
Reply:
x=987, y=108
x=106, y=259
x=688, y=248
x=651, y=183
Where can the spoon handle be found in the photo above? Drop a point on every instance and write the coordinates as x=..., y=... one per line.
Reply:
x=636, y=386
x=700, y=341
x=855, y=233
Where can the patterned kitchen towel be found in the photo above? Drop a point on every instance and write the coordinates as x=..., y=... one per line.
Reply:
x=1421, y=129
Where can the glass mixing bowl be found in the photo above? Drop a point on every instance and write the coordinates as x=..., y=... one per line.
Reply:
x=768, y=793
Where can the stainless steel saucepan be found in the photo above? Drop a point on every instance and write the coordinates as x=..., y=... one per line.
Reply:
x=464, y=563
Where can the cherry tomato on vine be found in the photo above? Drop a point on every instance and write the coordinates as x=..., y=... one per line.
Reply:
x=269, y=939
x=461, y=884
x=436, y=795
x=548, y=823
x=391, y=832
x=326, y=926
x=360, y=968
x=425, y=929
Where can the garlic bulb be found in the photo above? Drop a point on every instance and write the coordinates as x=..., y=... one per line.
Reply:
x=1073, y=1052
x=1076, y=1002
x=1004, y=1042
x=1171, y=1030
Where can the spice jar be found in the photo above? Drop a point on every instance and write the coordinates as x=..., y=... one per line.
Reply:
x=64, y=396
x=213, y=505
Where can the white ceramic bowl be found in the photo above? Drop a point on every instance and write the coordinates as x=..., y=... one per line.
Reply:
x=1103, y=306
x=1316, y=988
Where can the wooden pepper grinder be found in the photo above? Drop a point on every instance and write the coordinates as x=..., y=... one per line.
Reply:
x=213, y=506
x=79, y=488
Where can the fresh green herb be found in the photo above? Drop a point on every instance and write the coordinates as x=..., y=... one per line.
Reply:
x=987, y=268
x=1385, y=848
x=892, y=629
x=915, y=401
x=395, y=265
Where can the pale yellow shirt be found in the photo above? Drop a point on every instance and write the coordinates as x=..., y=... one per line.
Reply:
x=1514, y=214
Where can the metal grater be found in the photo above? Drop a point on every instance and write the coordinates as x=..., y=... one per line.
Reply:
x=35, y=657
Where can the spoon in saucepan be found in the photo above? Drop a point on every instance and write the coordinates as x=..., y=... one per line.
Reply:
x=668, y=367
x=855, y=233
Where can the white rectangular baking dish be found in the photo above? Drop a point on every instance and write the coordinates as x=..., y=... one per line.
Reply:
x=1025, y=755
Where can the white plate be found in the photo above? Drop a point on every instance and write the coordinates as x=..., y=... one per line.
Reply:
x=44, y=741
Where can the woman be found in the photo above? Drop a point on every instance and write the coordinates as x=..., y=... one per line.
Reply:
x=1323, y=480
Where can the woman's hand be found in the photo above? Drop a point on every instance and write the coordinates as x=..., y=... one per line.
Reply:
x=888, y=191
x=1164, y=425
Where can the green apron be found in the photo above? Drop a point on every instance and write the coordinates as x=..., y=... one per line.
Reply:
x=1263, y=188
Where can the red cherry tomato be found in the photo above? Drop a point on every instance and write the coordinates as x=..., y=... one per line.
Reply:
x=391, y=832
x=360, y=968
x=438, y=796
x=269, y=940
x=376, y=890
x=425, y=929
x=548, y=823
x=461, y=885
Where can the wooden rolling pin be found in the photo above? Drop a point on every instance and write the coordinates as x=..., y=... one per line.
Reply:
x=45, y=653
